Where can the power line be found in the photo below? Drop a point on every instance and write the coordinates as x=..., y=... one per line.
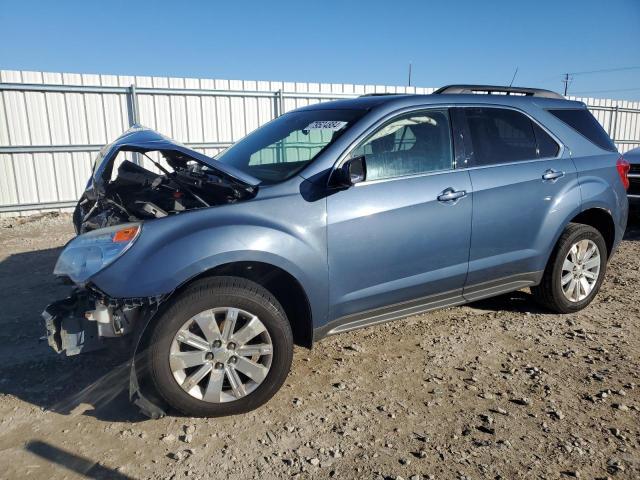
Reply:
x=605, y=70
x=605, y=91
x=567, y=78
x=587, y=72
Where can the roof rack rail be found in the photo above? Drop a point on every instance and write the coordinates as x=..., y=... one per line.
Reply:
x=379, y=94
x=493, y=89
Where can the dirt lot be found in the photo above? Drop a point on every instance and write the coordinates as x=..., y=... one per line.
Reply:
x=497, y=389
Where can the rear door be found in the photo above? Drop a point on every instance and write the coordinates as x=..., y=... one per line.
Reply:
x=524, y=186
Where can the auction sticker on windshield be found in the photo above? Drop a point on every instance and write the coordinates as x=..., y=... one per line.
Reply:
x=334, y=125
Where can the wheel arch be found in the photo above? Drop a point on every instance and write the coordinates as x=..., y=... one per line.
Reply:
x=602, y=220
x=597, y=217
x=280, y=283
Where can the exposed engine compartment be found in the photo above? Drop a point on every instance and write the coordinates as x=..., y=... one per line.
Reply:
x=136, y=193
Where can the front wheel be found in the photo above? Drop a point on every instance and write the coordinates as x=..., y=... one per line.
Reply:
x=575, y=270
x=222, y=347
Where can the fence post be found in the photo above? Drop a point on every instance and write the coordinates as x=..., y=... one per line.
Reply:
x=610, y=127
x=132, y=110
x=279, y=110
x=132, y=103
x=276, y=105
x=615, y=123
x=280, y=103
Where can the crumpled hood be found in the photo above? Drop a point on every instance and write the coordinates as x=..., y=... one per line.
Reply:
x=142, y=139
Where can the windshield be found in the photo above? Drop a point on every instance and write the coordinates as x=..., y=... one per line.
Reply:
x=286, y=145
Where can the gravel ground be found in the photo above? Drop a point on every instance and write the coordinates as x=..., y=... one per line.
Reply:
x=495, y=389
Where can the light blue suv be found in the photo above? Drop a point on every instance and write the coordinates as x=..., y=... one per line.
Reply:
x=330, y=218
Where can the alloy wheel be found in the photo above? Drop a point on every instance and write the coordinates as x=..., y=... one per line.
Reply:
x=221, y=354
x=580, y=270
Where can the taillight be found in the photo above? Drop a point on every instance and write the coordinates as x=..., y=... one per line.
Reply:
x=623, y=168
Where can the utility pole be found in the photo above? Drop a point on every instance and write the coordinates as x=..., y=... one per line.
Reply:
x=409, y=73
x=566, y=83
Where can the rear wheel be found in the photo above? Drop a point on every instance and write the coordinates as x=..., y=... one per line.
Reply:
x=575, y=270
x=224, y=346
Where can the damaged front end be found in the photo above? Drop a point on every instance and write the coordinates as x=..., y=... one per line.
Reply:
x=86, y=321
x=121, y=196
x=68, y=331
x=90, y=320
x=145, y=175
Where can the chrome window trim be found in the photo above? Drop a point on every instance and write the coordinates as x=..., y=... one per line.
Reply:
x=414, y=108
x=516, y=162
x=405, y=177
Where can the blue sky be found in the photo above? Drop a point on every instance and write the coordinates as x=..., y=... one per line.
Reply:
x=371, y=42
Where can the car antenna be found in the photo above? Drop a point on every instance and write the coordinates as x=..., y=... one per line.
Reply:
x=514, y=76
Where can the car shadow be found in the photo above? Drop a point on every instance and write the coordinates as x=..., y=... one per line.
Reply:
x=523, y=302
x=72, y=462
x=517, y=302
x=94, y=384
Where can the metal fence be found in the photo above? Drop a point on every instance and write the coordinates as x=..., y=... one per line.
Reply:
x=52, y=124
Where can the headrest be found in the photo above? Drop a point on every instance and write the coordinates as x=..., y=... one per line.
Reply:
x=383, y=144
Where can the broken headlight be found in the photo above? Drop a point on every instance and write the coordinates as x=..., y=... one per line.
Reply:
x=89, y=253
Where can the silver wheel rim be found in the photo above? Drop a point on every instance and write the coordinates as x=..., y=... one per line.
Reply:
x=580, y=270
x=221, y=354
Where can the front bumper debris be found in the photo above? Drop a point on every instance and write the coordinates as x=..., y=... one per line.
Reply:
x=68, y=331
x=86, y=320
x=82, y=322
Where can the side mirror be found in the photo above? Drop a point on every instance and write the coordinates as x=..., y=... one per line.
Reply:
x=351, y=172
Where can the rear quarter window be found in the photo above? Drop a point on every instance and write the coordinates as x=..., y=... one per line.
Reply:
x=584, y=123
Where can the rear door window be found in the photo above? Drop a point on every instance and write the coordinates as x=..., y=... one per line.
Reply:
x=584, y=123
x=500, y=135
x=547, y=146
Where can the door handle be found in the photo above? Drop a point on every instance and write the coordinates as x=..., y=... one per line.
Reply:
x=450, y=195
x=552, y=174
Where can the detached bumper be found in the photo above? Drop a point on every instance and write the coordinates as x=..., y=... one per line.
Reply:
x=68, y=330
x=80, y=324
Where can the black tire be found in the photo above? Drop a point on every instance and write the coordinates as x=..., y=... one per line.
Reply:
x=549, y=293
x=203, y=295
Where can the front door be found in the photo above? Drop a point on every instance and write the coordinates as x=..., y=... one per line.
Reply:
x=402, y=234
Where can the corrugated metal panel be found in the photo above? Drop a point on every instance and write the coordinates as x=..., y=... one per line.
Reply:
x=52, y=124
